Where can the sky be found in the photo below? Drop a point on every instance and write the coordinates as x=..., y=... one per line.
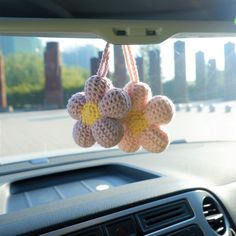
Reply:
x=213, y=48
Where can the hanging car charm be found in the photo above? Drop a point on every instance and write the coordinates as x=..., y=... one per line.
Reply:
x=98, y=109
x=129, y=117
x=143, y=123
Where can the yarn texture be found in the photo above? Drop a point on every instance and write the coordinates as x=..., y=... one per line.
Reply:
x=99, y=110
x=129, y=117
x=143, y=123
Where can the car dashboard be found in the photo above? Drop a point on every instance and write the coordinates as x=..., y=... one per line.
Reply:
x=187, y=190
x=112, y=193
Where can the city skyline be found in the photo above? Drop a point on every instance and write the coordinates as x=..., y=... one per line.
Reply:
x=213, y=48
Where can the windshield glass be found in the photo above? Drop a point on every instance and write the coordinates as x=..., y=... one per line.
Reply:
x=198, y=74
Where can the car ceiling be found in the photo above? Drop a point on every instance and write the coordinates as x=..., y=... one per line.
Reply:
x=212, y=10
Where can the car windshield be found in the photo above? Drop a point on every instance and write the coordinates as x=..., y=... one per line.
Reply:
x=198, y=74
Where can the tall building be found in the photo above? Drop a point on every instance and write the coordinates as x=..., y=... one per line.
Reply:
x=94, y=63
x=180, y=83
x=212, y=75
x=230, y=71
x=155, y=71
x=52, y=67
x=200, y=76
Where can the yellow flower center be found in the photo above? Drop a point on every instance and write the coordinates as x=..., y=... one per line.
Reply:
x=136, y=122
x=90, y=113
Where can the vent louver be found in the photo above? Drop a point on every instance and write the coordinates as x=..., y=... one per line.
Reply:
x=214, y=217
x=164, y=216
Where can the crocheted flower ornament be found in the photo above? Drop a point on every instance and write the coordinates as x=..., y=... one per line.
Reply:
x=143, y=123
x=99, y=109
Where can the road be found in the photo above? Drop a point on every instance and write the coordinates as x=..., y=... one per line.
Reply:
x=27, y=133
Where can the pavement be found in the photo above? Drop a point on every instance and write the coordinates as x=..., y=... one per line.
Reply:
x=33, y=133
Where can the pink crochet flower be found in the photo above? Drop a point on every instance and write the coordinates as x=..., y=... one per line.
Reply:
x=98, y=110
x=143, y=124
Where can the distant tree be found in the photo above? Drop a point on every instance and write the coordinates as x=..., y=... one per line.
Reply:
x=13, y=44
x=215, y=88
x=168, y=89
x=146, y=48
x=74, y=77
x=24, y=68
x=80, y=56
x=144, y=52
x=193, y=92
x=25, y=79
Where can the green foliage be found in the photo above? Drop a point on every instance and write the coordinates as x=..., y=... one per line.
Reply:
x=144, y=53
x=25, y=80
x=24, y=69
x=73, y=80
x=168, y=89
x=215, y=92
x=193, y=92
x=73, y=77
x=146, y=48
x=21, y=95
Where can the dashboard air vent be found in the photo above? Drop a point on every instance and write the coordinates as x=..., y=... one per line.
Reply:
x=163, y=216
x=214, y=217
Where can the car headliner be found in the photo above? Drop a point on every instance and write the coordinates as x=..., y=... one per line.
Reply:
x=119, y=22
x=213, y=10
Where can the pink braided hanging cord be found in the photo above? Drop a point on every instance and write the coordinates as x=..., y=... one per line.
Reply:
x=131, y=65
x=103, y=67
x=143, y=125
x=127, y=62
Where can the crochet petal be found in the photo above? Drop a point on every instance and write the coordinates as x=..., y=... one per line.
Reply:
x=96, y=87
x=159, y=110
x=107, y=132
x=115, y=104
x=75, y=105
x=140, y=93
x=154, y=139
x=129, y=142
x=82, y=135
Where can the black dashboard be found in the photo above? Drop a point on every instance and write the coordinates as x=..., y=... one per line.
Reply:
x=187, y=190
